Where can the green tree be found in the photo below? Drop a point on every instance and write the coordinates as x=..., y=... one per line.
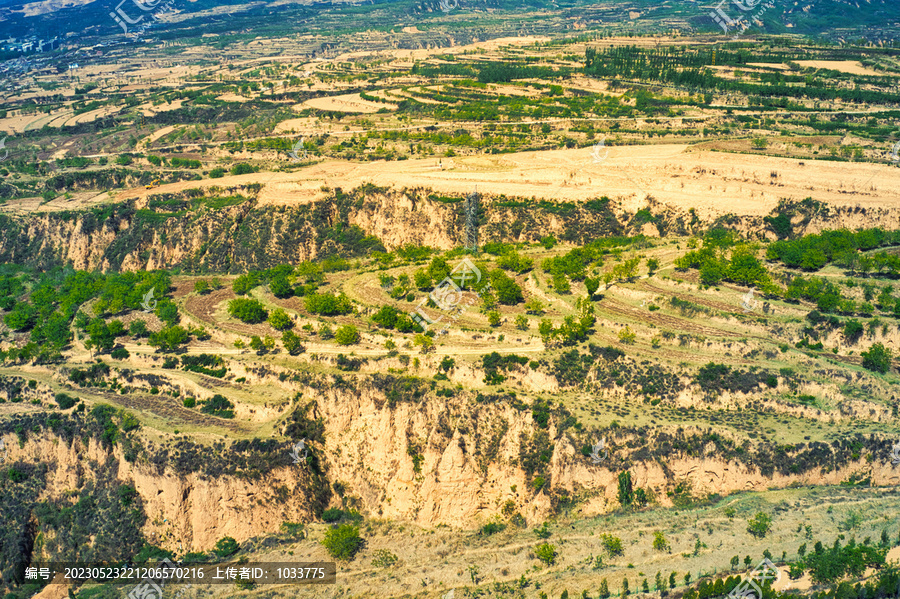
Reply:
x=735, y=561
x=534, y=306
x=672, y=580
x=218, y=405
x=279, y=320
x=561, y=284
x=256, y=344
x=281, y=287
x=603, y=591
x=100, y=337
x=759, y=524
x=244, y=283
x=201, y=286
x=877, y=359
x=328, y=304
x=626, y=491
x=292, y=343
x=250, y=311
x=508, y=291
x=438, y=270
x=659, y=541
x=652, y=265
x=423, y=341
x=627, y=336
x=347, y=335
x=422, y=280
x=343, y=541
x=493, y=318
x=167, y=311
x=170, y=338
x=22, y=317
x=138, y=328
x=522, y=322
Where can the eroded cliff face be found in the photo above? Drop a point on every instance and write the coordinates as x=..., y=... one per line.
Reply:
x=420, y=458
x=226, y=233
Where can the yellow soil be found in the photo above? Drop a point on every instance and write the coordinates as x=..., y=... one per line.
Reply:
x=346, y=103
x=845, y=66
x=713, y=183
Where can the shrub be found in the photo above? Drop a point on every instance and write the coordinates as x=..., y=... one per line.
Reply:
x=189, y=402
x=119, y=353
x=612, y=545
x=218, y=405
x=242, y=168
x=494, y=526
x=627, y=336
x=226, y=546
x=759, y=524
x=534, y=306
x=546, y=553
x=65, y=401
x=332, y=514
x=249, y=311
x=342, y=542
x=544, y=531
x=347, y=335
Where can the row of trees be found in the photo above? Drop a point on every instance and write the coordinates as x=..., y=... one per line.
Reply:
x=812, y=252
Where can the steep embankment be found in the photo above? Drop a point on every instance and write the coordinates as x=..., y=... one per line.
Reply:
x=388, y=446
x=231, y=232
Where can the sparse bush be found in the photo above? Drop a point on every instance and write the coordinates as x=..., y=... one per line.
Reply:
x=627, y=336
x=546, y=553
x=383, y=558
x=612, y=545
